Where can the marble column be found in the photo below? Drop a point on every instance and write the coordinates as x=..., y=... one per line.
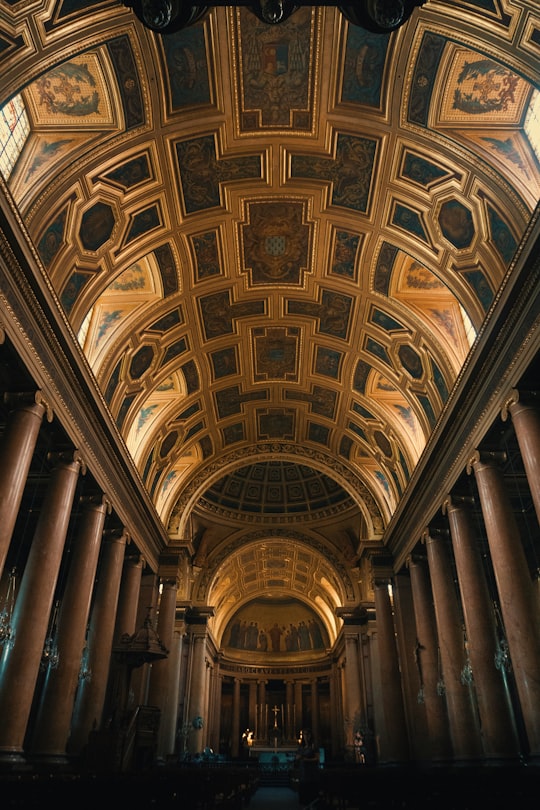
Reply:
x=365, y=675
x=16, y=453
x=298, y=706
x=525, y=413
x=261, y=731
x=337, y=716
x=57, y=699
x=290, y=731
x=406, y=640
x=460, y=699
x=427, y=660
x=498, y=729
x=252, y=704
x=394, y=743
x=315, y=710
x=90, y=699
x=146, y=609
x=209, y=666
x=353, y=696
x=235, y=743
x=216, y=712
x=119, y=694
x=515, y=588
x=169, y=722
x=21, y=659
x=128, y=597
x=197, y=693
x=159, y=675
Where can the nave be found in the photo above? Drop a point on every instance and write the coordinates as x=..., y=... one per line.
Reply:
x=269, y=361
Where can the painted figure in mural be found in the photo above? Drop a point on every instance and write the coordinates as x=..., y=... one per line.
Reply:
x=263, y=641
x=235, y=633
x=303, y=636
x=248, y=634
x=316, y=636
x=242, y=638
x=275, y=634
x=292, y=641
x=252, y=636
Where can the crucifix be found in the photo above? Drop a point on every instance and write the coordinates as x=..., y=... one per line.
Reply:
x=275, y=710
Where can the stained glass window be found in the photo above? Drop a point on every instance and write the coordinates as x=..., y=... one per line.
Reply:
x=14, y=130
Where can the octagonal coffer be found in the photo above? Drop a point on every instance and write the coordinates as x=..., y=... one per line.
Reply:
x=457, y=224
x=141, y=362
x=97, y=225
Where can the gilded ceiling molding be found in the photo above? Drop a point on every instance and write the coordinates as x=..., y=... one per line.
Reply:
x=265, y=519
x=226, y=549
x=216, y=468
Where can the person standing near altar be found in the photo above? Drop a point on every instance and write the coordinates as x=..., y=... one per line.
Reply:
x=307, y=760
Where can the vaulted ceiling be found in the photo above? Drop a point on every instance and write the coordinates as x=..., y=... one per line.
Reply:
x=275, y=243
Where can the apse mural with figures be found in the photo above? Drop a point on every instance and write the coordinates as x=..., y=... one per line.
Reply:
x=276, y=627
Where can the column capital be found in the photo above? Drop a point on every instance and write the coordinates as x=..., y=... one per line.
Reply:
x=416, y=559
x=96, y=501
x=487, y=457
x=434, y=533
x=134, y=558
x=169, y=581
x=114, y=535
x=528, y=399
x=453, y=501
x=67, y=457
x=21, y=399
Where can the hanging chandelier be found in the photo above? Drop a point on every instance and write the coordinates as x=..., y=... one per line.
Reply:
x=169, y=16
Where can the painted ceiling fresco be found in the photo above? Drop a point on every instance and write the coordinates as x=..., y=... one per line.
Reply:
x=276, y=244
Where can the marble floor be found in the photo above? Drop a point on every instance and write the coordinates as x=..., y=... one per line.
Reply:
x=274, y=798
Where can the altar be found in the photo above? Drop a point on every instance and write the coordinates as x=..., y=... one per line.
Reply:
x=274, y=762
x=273, y=744
x=267, y=754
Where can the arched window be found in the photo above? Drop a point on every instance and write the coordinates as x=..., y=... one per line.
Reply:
x=14, y=130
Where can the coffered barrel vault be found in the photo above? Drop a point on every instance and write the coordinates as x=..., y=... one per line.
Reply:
x=269, y=279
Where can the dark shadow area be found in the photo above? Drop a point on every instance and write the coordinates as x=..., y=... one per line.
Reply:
x=234, y=787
